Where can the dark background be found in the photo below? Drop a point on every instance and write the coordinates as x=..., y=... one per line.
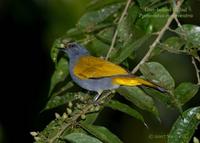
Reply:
x=28, y=29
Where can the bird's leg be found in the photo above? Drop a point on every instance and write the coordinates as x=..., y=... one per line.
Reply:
x=96, y=97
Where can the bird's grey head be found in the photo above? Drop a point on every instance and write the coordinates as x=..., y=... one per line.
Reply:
x=74, y=50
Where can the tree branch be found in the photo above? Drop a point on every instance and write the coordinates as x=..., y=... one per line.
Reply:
x=197, y=70
x=161, y=33
x=75, y=117
x=116, y=31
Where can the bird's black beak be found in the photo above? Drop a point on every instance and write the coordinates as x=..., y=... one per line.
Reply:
x=61, y=49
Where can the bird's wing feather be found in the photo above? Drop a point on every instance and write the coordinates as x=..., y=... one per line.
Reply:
x=91, y=67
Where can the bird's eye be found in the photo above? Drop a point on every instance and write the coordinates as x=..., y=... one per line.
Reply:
x=71, y=45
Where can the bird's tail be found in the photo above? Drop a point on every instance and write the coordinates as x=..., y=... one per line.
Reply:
x=130, y=80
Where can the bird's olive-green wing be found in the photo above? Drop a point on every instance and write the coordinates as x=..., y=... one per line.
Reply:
x=92, y=67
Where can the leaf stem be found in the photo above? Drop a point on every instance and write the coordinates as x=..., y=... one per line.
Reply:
x=161, y=33
x=197, y=70
x=116, y=31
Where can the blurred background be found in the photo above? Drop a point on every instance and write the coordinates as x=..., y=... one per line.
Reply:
x=28, y=29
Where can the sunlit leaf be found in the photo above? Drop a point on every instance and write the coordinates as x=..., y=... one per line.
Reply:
x=191, y=33
x=139, y=98
x=185, y=91
x=60, y=73
x=102, y=133
x=184, y=127
x=116, y=105
x=157, y=73
x=81, y=138
x=91, y=19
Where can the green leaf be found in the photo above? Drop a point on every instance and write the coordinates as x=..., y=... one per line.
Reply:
x=56, y=101
x=185, y=91
x=139, y=98
x=144, y=3
x=81, y=138
x=101, y=133
x=191, y=33
x=157, y=73
x=106, y=35
x=165, y=98
x=174, y=43
x=97, y=48
x=184, y=127
x=159, y=18
x=54, y=49
x=116, y=105
x=96, y=4
x=91, y=19
x=91, y=118
x=126, y=51
x=60, y=73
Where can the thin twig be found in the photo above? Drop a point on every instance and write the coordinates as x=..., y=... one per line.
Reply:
x=116, y=31
x=161, y=33
x=197, y=70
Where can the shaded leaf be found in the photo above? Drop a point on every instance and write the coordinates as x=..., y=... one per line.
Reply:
x=174, y=43
x=97, y=48
x=101, y=133
x=96, y=4
x=81, y=138
x=60, y=73
x=157, y=73
x=144, y=3
x=139, y=98
x=56, y=101
x=91, y=19
x=165, y=98
x=184, y=127
x=191, y=33
x=106, y=35
x=159, y=18
x=116, y=105
x=126, y=51
x=185, y=91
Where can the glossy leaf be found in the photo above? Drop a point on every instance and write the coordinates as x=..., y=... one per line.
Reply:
x=102, y=133
x=184, y=127
x=91, y=118
x=60, y=73
x=116, y=105
x=139, y=98
x=185, y=91
x=157, y=73
x=191, y=33
x=126, y=51
x=81, y=138
x=91, y=19
x=56, y=101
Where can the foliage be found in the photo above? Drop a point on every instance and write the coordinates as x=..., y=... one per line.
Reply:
x=127, y=26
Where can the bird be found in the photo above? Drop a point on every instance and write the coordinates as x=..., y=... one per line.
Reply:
x=98, y=75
